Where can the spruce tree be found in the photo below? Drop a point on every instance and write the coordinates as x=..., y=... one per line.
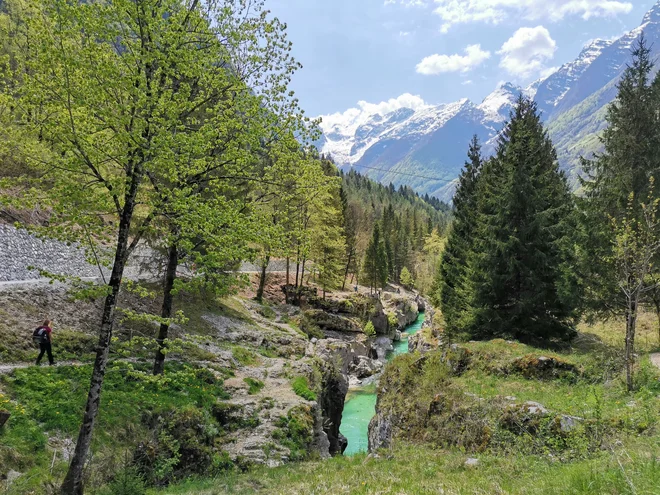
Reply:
x=630, y=158
x=519, y=277
x=375, y=262
x=451, y=280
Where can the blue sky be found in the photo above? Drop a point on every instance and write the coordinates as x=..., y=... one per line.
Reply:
x=440, y=50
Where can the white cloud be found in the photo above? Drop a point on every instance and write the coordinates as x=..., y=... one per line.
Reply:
x=354, y=117
x=526, y=52
x=438, y=64
x=454, y=12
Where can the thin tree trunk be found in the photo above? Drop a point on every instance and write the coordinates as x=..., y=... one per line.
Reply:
x=631, y=323
x=348, y=267
x=288, y=269
x=73, y=482
x=262, y=279
x=656, y=301
x=302, y=272
x=297, y=265
x=166, y=309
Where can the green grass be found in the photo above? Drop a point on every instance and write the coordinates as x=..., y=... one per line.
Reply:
x=49, y=402
x=300, y=386
x=255, y=385
x=420, y=470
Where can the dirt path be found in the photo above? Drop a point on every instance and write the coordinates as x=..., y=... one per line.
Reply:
x=8, y=368
x=655, y=359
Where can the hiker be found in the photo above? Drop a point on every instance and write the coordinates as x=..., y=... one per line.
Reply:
x=43, y=337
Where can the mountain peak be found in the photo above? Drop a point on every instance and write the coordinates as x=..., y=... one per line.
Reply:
x=652, y=15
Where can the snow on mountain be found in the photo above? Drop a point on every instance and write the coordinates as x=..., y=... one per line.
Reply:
x=348, y=141
x=431, y=140
x=553, y=89
x=497, y=105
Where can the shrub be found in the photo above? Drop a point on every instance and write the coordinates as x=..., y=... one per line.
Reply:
x=127, y=482
x=295, y=431
x=406, y=278
x=369, y=329
x=392, y=320
x=255, y=385
x=301, y=388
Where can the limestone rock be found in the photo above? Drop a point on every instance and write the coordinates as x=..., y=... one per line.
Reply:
x=472, y=462
x=380, y=432
x=364, y=367
x=331, y=322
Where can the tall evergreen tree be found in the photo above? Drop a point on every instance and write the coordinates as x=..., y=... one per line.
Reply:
x=451, y=281
x=519, y=286
x=631, y=143
x=375, y=262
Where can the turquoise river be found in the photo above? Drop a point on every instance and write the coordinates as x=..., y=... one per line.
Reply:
x=360, y=404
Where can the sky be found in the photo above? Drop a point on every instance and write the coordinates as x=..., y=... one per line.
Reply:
x=375, y=55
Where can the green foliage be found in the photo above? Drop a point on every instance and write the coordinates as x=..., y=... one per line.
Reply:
x=255, y=385
x=369, y=329
x=127, y=482
x=375, y=261
x=295, y=431
x=52, y=399
x=392, y=321
x=507, y=271
x=300, y=386
x=452, y=291
x=406, y=278
x=245, y=356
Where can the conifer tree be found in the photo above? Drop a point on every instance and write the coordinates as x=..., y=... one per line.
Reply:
x=451, y=281
x=375, y=262
x=519, y=287
x=631, y=143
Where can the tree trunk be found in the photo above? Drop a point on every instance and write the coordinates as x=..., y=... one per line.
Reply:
x=631, y=323
x=302, y=272
x=262, y=279
x=657, y=314
x=348, y=267
x=288, y=269
x=297, y=266
x=166, y=309
x=73, y=482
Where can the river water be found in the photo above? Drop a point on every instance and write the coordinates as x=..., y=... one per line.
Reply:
x=360, y=404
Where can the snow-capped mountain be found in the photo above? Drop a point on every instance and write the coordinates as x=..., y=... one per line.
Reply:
x=552, y=90
x=424, y=146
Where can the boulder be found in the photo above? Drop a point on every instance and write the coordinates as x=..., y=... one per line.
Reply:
x=471, y=462
x=543, y=367
x=364, y=367
x=331, y=322
x=334, y=387
x=380, y=432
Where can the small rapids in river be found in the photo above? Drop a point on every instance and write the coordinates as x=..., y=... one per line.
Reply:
x=360, y=404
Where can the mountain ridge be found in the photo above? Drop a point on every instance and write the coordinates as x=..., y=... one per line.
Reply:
x=431, y=140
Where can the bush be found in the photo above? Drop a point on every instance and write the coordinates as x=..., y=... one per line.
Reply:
x=392, y=320
x=301, y=388
x=127, y=482
x=255, y=385
x=295, y=431
x=406, y=278
x=369, y=329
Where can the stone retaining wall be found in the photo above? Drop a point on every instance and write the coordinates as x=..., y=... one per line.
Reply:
x=20, y=250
